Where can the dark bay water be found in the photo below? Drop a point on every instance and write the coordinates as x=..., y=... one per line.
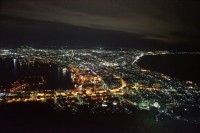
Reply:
x=11, y=70
x=183, y=67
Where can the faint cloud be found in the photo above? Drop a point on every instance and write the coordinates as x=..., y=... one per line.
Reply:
x=147, y=20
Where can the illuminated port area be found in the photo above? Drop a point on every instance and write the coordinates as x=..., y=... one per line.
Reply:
x=103, y=82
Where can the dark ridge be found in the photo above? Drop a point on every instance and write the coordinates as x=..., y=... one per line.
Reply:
x=40, y=117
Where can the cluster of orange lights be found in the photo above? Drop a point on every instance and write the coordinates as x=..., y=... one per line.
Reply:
x=21, y=87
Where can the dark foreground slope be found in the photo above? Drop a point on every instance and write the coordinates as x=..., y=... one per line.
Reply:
x=37, y=117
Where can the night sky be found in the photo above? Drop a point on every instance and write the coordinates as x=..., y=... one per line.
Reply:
x=128, y=23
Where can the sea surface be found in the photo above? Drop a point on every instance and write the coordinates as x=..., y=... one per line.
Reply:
x=185, y=67
x=11, y=70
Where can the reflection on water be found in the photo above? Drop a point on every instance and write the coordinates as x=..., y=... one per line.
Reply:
x=64, y=72
x=15, y=65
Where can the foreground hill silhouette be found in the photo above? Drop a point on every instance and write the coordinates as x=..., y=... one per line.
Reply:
x=39, y=117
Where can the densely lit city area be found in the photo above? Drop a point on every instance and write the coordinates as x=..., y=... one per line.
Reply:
x=103, y=81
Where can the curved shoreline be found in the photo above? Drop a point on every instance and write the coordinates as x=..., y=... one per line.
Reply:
x=173, y=65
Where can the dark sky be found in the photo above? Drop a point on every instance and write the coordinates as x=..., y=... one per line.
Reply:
x=164, y=23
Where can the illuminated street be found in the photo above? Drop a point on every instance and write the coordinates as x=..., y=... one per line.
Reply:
x=103, y=81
